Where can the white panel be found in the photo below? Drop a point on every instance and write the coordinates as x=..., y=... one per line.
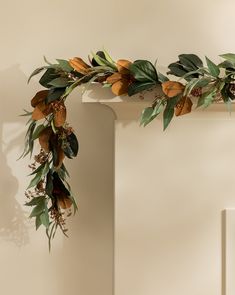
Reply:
x=171, y=188
x=229, y=252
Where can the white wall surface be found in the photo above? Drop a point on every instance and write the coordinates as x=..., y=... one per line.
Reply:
x=128, y=29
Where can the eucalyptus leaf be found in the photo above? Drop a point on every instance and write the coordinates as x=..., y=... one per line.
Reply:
x=36, y=72
x=37, y=131
x=213, y=68
x=38, y=209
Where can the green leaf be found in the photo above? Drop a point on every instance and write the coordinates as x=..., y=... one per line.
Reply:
x=37, y=131
x=35, y=201
x=49, y=184
x=59, y=82
x=38, y=209
x=176, y=70
x=39, y=175
x=162, y=78
x=229, y=56
x=35, y=180
x=36, y=72
x=38, y=222
x=103, y=62
x=206, y=99
x=144, y=71
x=137, y=87
x=190, y=61
x=149, y=114
x=54, y=94
x=70, y=146
x=48, y=76
x=168, y=113
x=146, y=115
x=44, y=218
x=108, y=57
x=64, y=65
x=213, y=68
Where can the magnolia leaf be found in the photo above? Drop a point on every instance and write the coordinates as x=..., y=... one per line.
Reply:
x=144, y=71
x=172, y=88
x=64, y=65
x=44, y=138
x=64, y=202
x=60, y=116
x=58, y=157
x=40, y=96
x=60, y=82
x=213, y=68
x=229, y=56
x=79, y=65
x=71, y=146
x=168, y=113
x=136, y=87
x=114, y=78
x=37, y=114
x=190, y=62
x=48, y=76
x=54, y=94
x=176, y=70
x=120, y=87
x=162, y=78
x=123, y=66
x=184, y=106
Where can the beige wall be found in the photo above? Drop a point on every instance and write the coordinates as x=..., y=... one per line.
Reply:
x=129, y=29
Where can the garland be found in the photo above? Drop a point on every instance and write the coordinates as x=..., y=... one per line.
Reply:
x=49, y=193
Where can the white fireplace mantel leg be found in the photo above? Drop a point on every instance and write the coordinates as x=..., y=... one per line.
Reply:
x=170, y=190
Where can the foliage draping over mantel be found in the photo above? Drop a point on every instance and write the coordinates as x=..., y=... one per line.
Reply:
x=49, y=193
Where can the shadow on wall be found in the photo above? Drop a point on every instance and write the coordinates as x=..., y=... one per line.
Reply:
x=12, y=217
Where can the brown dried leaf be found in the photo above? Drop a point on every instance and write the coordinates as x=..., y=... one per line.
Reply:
x=172, y=88
x=120, y=87
x=60, y=116
x=39, y=97
x=184, y=106
x=114, y=78
x=44, y=138
x=123, y=66
x=64, y=202
x=79, y=65
x=41, y=111
x=60, y=157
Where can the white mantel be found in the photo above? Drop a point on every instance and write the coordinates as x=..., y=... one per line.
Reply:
x=172, y=232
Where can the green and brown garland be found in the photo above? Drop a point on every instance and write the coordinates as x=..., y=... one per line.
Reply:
x=49, y=193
